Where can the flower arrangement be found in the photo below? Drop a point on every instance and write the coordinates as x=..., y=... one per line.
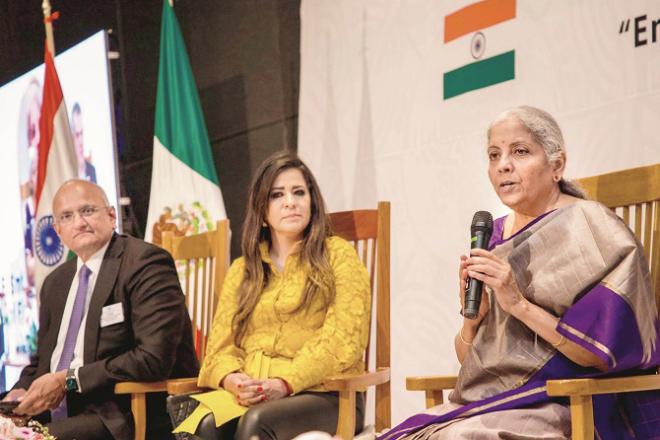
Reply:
x=11, y=429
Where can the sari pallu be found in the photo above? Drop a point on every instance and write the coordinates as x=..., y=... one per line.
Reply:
x=582, y=264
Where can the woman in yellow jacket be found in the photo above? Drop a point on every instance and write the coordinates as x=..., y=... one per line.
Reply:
x=293, y=310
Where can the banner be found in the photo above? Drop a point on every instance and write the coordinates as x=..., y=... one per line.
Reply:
x=83, y=74
x=396, y=98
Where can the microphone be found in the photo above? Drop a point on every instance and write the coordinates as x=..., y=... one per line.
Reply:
x=480, y=231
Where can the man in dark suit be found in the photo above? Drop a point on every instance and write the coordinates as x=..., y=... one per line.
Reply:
x=116, y=313
x=86, y=170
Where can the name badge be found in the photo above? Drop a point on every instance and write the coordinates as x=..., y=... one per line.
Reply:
x=112, y=314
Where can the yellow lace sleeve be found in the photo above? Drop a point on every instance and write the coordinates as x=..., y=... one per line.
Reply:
x=222, y=356
x=340, y=342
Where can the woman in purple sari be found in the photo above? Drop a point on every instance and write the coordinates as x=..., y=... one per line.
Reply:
x=568, y=295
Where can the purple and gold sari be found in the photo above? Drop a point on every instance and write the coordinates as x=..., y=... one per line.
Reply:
x=582, y=264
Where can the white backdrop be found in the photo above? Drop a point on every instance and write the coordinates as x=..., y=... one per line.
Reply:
x=374, y=126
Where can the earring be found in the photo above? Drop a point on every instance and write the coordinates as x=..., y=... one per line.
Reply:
x=264, y=225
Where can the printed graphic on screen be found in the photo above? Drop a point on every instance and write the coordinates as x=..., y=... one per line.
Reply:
x=83, y=73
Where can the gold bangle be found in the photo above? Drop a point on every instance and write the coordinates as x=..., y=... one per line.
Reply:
x=561, y=341
x=460, y=335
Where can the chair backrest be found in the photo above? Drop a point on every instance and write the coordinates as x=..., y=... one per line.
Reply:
x=202, y=261
x=634, y=194
x=369, y=231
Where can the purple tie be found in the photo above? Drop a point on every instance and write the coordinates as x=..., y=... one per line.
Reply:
x=77, y=313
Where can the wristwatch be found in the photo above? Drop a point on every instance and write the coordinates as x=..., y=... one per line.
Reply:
x=71, y=384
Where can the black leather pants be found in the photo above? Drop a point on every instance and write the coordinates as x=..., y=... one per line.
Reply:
x=283, y=419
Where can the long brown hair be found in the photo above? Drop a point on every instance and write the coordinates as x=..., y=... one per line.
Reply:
x=313, y=252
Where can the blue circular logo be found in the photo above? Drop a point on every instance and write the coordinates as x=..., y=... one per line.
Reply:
x=478, y=45
x=48, y=246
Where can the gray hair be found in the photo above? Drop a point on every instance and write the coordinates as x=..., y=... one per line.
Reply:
x=546, y=132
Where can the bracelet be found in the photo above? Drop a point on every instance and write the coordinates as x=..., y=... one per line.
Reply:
x=460, y=335
x=561, y=341
x=289, y=389
x=287, y=385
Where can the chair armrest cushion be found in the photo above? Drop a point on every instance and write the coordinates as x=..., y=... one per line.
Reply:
x=357, y=382
x=183, y=386
x=582, y=387
x=430, y=383
x=140, y=387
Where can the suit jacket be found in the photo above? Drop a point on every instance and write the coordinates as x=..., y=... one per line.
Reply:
x=90, y=172
x=154, y=342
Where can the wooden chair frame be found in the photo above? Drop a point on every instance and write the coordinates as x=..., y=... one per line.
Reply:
x=367, y=229
x=638, y=188
x=212, y=246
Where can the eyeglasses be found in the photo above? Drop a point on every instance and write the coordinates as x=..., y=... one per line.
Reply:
x=84, y=212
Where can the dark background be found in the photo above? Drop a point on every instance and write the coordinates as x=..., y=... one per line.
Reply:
x=245, y=55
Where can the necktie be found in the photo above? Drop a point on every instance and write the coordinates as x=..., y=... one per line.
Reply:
x=72, y=333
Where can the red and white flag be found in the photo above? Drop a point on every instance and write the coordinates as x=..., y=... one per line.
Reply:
x=56, y=165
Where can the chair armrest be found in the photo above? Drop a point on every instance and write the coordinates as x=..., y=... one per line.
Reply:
x=347, y=386
x=432, y=386
x=430, y=383
x=138, y=392
x=140, y=387
x=183, y=386
x=354, y=382
x=579, y=387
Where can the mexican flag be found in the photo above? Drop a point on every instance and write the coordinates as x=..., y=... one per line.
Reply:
x=56, y=164
x=185, y=191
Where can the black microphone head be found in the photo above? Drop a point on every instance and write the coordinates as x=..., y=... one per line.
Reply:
x=482, y=221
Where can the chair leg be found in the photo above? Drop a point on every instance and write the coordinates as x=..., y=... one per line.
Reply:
x=582, y=418
x=383, y=406
x=346, y=420
x=433, y=398
x=139, y=410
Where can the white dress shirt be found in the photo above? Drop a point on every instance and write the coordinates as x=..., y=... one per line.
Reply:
x=94, y=265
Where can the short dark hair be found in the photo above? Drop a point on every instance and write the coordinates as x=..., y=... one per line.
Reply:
x=76, y=109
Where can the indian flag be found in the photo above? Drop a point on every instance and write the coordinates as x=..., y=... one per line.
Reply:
x=483, y=72
x=185, y=191
x=55, y=165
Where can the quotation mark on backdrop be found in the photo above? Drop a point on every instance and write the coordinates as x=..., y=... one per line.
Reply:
x=642, y=29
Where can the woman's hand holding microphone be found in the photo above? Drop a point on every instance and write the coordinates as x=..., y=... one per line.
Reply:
x=470, y=326
x=497, y=274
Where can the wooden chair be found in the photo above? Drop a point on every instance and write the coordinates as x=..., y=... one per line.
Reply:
x=635, y=195
x=369, y=231
x=202, y=260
